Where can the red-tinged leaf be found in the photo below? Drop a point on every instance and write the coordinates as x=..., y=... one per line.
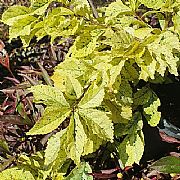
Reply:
x=12, y=119
x=175, y=154
x=1, y=45
x=128, y=168
x=102, y=175
x=14, y=80
x=176, y=177
x=110, y=171
x=167, y=138
x=4, y=58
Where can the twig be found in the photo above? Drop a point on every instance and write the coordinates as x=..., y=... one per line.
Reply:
x=95, y=13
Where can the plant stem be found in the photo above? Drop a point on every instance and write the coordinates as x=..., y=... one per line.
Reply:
x=95, y=13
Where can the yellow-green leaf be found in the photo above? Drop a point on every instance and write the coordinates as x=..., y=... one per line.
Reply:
x=75, y=139
x=52, y=117
x=81, y=172
x=93, y=97
x=153, y=3
x=14, y=13
x=151, y=113
x=132, y=148
x=49, y=95
x=116, y=8
x=16, y=174
x=98, y=123
x=21, y=27
x=53, y=148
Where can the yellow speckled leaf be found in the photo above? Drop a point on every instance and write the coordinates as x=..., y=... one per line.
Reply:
x=49, y=95
x=93, y=97
x=51, y=119
x=16, y=174
x=98, y=122
x=151, y=113
x=132, y=148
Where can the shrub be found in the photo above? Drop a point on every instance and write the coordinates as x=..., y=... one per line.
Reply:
x=96, y=88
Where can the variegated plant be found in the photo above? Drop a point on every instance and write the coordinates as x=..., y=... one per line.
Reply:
x=96, y=85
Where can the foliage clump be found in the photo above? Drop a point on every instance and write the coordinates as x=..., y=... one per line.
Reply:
x=96, y=89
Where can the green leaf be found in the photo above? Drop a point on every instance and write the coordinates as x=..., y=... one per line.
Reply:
x=176, y=22
x=142, y=33
x=93, y=97
x=116, y=8
x=27, y=38
x=114, y=72
x=73, y=88
x=62, y=11
x=151, y=113
x=134, y=124
x=21, y=27
x=153, y=3
x=76, y=139
x=39, y=30
x=84, y=44
x=98, y=123
x=120, y=101
x=119, y=39
x=129, y=72
x=34, y=164
x=41, y=10
x=53, y=148
x=148, y=66
x=70, y=67
x=132, y=148
x=134, y=4
x=52, y=117
x=61, y=156
x=143, y=96
x=162, y=50
x=81, y=8
x=150, y=102
x=79, y=140
x=16, y=174
x=168, y=164
x=4, y=146
x=39, y=3
x=61, y=25
x=56, y=112
x=48, y=95
x=81, y=172
x=14, y=13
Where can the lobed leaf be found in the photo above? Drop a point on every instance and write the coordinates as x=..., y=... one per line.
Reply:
x=162, y=50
